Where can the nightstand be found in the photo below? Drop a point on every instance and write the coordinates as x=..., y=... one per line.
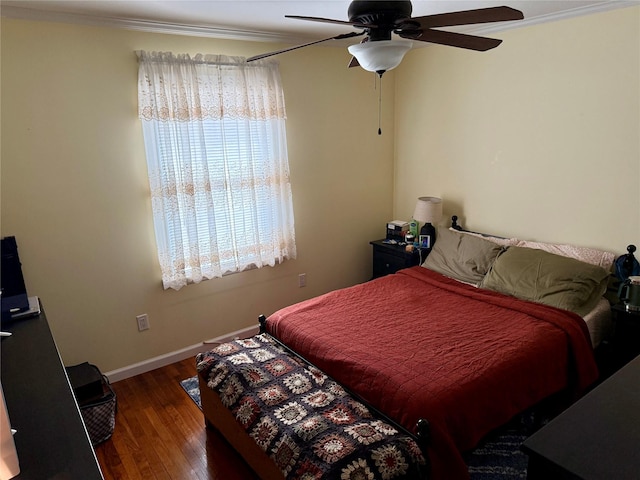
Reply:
x=626, y=337
x=389, y=258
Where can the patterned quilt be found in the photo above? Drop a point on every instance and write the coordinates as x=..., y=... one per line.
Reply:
x=306, y=422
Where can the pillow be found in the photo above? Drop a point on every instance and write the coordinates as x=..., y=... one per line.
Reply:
x=499, y=240
x=543, y=277
x=463, y=257
x=584, y=254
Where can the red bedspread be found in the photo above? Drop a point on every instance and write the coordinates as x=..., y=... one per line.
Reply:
x=419, y=345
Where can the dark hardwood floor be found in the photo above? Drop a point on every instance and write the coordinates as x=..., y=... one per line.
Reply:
x=160, y=433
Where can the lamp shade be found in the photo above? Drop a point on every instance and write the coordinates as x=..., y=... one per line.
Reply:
x=428, y=210
x=380, y=56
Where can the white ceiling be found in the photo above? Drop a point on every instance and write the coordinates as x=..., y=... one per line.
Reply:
x=263, y=20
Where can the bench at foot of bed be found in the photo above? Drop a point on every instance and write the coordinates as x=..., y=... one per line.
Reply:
x=288, y=420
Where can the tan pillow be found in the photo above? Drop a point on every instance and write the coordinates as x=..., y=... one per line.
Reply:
x=543, y=277
x=464, y=257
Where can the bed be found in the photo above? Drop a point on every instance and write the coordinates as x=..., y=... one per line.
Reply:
x=486, y=328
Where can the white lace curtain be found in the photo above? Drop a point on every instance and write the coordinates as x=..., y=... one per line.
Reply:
x=214, y=132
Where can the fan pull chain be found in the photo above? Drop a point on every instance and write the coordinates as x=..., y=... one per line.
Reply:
x=380, y=104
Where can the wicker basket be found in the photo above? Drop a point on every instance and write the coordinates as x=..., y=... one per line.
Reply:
x=100, y=415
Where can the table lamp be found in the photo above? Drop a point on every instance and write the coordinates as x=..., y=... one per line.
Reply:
x=428, y=211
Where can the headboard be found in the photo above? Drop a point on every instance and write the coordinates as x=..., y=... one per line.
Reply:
x=456, y=226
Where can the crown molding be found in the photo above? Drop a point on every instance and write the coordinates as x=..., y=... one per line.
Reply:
x=149, y=25
x=603, y=6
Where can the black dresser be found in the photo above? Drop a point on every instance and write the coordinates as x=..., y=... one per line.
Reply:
x=597, y=438
x=51, y=440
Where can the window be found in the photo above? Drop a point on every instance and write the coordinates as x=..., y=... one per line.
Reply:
x=214, y=134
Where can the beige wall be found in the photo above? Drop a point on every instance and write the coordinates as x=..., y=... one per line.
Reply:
x=75, y=192
x=539, y=138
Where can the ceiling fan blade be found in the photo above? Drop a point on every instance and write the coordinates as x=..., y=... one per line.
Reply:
x=480, y=15
x=330, y=20
x=278, y=52
x=453, y=39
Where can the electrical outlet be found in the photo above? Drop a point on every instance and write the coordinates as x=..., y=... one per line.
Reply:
x=143, y=322
x=302, y=280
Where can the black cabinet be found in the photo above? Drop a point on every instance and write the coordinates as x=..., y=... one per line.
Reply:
x=389, y=258
x=51, y=439
x=597, y=438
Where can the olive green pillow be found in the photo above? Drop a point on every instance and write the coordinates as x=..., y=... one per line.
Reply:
x=464, y=257
x=544, y=277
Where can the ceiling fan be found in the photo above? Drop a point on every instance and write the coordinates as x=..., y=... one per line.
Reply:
x=378, y=19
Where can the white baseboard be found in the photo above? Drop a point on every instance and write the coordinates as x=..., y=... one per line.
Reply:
x=176, y=356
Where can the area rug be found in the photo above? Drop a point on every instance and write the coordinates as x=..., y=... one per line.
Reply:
x=498, y=457
x=190, y=385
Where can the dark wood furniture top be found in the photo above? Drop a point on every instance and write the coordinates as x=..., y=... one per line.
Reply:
x=595, y=439
x=389, y=258
x=51, y=439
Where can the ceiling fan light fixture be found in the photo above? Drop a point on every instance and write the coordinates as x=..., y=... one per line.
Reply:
x=380, y=56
